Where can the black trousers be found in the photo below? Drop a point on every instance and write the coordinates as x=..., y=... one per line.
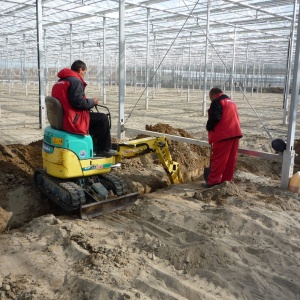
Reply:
x=100, y=131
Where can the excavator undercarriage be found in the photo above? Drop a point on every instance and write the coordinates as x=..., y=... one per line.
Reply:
x=89, y=196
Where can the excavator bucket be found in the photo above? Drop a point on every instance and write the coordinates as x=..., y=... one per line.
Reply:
x=92, y=210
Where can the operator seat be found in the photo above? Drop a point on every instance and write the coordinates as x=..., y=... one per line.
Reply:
x=55, y=112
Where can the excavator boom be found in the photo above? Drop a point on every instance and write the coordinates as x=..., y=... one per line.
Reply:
x=158, y=145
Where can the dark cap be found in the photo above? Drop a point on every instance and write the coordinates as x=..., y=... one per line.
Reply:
x=279, y=145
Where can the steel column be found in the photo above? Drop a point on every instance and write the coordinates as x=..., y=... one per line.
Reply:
x=206, y=57
x=120, y=129
x=289, y=66
x=147, y=60
x=39, y=19
x=189, y=72
x=104, y=66
x=71, y=44
x=232, y=88
x=154, y=68
x=246, y=73
x=289, y=153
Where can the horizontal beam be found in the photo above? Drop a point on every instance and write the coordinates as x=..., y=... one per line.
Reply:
x=261, y=154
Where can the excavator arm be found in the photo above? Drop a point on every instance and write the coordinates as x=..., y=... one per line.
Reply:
x=158, y=145
x=131, y=149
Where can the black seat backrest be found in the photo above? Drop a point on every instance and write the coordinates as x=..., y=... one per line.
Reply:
x=55, y=112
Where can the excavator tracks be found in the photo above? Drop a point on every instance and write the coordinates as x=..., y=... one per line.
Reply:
x=68, y=195
x=119, y=184
x=90, y=196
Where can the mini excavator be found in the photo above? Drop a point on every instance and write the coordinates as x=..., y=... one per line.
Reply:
x=78, y=180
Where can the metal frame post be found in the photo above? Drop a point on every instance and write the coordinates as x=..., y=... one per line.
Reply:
x=232, y=88
x=104, y=66
x=289, y=153
x=289, y=67
x=39, y=19
x=71, y=44
x=147, y=60
x=154, y=67
x=246, y=73
x=206, y=58
x=189, y=72
x=120, y=129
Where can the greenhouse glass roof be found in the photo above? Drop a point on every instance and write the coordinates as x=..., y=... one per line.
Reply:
x=260, y=30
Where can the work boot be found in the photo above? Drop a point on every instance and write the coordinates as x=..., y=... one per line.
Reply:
x=106, y=152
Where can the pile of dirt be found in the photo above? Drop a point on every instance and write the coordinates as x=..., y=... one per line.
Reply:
x=21, y=160
x=275, y=90
x=192, y=158
x=20, y=200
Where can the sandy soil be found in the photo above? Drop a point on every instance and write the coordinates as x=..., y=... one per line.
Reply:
x=238, y=240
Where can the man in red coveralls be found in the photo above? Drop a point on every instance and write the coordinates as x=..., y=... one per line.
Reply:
x=69, y=90
x=224, y=132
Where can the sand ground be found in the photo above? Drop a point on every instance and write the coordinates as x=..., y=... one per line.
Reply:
x=239, y=240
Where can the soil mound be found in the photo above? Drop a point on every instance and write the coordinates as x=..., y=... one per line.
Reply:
x=18, y=193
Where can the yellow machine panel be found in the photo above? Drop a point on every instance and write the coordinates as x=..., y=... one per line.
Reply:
x=63, y=163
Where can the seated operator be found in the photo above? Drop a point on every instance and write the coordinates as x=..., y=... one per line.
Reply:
x=69, y=90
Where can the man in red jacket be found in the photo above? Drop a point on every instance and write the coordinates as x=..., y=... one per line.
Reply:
x=224, y=132
x=70, y=91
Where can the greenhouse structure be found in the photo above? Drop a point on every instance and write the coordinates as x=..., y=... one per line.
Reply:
x=242, y=47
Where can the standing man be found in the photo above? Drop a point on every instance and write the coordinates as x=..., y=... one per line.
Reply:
x=224, y=132
x=70, y=91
